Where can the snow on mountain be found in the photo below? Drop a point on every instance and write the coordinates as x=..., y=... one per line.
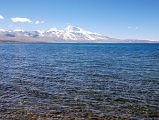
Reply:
x=76, y=33
x=69, y=33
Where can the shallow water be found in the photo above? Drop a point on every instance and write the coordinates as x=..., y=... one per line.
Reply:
x=82, y=81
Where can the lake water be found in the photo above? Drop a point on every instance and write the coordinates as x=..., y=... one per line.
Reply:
x=82, y=81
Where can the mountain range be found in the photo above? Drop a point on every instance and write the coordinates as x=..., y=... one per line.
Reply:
x=69, y=34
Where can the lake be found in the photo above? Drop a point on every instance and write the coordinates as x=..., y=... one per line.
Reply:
x=79, y=81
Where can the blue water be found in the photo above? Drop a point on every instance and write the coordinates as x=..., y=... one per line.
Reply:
x=82, y=81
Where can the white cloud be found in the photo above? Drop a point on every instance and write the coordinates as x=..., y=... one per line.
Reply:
x=19, y=19
x=2, y=30
x=39, y=22
x=52, y=29
x=136, y=27
x=18, y=30
x=1, y=17
x=133, y=28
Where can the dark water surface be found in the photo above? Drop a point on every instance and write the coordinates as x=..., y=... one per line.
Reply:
x=79, y=81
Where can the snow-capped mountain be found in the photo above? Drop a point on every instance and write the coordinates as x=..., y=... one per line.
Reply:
x=18, y=33
x=69, y=33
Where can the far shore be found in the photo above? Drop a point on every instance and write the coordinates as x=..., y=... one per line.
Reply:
x=72, y=41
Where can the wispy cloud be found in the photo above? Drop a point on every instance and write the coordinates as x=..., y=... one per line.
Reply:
x=136, y=27
x=133, y=28
x=39, y=22
x=19, y=19
x=1, y=17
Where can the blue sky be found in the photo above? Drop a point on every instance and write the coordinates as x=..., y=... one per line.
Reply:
x=115, y=18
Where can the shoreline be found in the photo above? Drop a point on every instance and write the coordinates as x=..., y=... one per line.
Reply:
x=80, y=42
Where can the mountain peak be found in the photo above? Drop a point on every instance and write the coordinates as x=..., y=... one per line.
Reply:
x=71, y=28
